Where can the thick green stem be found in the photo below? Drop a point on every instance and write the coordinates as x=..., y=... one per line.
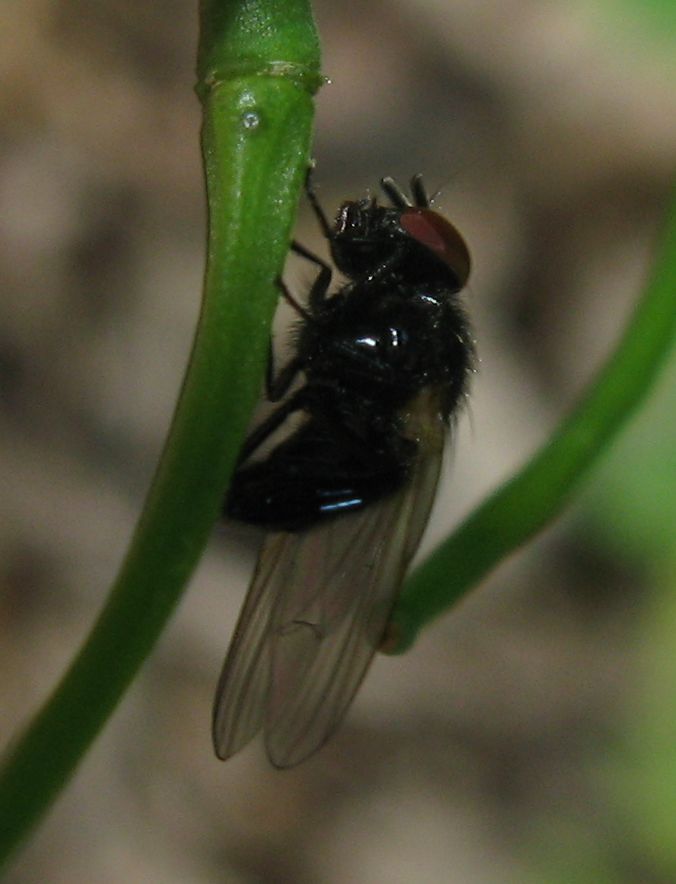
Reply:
x=258, y=68
x=526, y=503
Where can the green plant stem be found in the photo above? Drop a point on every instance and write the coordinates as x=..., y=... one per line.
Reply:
x=258, y=68
x=528, y=501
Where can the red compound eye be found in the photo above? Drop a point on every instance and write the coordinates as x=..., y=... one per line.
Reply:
x=438, y=235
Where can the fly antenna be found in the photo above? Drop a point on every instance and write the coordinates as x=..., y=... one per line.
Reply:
x=395, y=193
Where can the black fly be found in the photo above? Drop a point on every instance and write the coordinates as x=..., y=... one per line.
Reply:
x=347, y=494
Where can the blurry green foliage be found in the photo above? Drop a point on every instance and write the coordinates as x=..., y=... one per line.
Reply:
x=629, y=510
x=631, y=500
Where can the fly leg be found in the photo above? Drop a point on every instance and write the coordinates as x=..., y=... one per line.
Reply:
x=276, y=387
x=316, y=208
x=290, y=300
x=271, y=423
x=320, y=286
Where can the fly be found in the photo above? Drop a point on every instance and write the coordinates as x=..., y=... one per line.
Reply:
x=384, y=360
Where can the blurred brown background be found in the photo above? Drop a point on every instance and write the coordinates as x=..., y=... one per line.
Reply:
x=530, y=734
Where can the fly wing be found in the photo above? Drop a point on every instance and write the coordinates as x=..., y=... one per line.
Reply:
x=316, y=611
x=331, y=615
x=242, y=691
x=287, y=609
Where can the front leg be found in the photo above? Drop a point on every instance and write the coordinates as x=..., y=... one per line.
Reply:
x=321, y=285
x=316, y=208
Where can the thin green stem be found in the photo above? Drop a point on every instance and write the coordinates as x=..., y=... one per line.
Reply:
x=258, y=68
x=528, y=501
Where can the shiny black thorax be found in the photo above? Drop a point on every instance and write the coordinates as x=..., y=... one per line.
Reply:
x=394, y=329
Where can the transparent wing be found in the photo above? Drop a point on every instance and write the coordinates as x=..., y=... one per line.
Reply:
x=242, y=690
x=316, y=611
